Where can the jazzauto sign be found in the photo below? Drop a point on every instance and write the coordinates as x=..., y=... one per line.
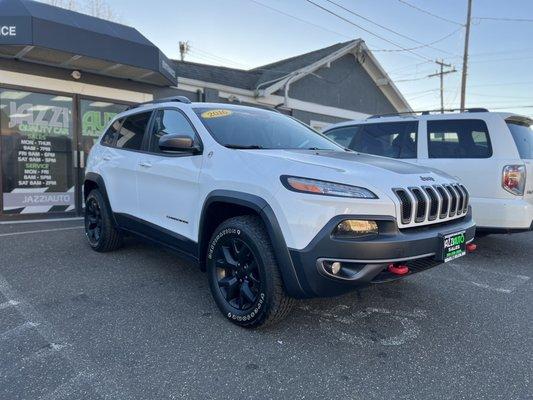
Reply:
x=39, y=121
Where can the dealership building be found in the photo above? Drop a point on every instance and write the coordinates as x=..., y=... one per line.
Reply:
x=64, y=75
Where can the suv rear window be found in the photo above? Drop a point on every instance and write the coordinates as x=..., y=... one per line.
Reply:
x=461, y=138
x=391, y=139
x=523, y=137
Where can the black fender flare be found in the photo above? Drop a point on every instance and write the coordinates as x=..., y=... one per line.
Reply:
x=99, y=181
x=263, y=209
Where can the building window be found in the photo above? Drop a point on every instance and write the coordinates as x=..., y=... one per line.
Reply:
x=36, y=134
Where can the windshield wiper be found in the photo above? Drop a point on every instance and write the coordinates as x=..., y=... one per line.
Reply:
x=243, y=147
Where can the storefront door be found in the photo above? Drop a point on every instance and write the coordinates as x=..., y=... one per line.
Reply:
x=44, y=142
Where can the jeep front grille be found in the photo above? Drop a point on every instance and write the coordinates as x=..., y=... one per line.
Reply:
x=419, y=205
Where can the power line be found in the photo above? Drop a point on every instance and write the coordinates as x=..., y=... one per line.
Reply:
x=386, y=28
x=366, y=30
x=341, y=34
x=197, y=50
x=425, y=45
x=504, y=19
x=301, y=20
x=430, y=13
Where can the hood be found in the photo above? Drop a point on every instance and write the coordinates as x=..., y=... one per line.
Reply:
x=350, y=168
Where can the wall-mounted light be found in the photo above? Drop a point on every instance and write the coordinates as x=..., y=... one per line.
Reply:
x=76, y=74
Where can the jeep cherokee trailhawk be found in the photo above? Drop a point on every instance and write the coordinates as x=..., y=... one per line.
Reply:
x=269, y=208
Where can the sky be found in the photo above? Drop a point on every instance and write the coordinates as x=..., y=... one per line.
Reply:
x=249, y=33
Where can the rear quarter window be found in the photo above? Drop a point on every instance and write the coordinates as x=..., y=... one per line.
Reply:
x=344, y=135
x=461, y=138
x=523, y=137
x=388, y=139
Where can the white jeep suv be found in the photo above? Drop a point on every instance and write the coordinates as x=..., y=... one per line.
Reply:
x=490, y=153
x=271, y=209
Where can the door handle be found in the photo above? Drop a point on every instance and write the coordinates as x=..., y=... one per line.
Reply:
x=106, y=158
x=82, y=159
x=145, y=164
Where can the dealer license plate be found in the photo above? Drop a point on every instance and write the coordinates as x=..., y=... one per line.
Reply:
x=453, y=246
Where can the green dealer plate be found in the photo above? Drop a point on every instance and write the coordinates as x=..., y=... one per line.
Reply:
x=453, y=246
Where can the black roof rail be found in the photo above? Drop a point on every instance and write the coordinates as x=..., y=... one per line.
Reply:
x=180, y=99
x=428, y=112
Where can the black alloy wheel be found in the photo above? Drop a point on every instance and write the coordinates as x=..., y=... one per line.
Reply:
x=237, y=273
x=93, y=221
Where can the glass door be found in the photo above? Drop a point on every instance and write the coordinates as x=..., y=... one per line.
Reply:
x=36, y=143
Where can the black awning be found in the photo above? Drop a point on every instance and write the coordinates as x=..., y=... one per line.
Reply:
x=37, y=32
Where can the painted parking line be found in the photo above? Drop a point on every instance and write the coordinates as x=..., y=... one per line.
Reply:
x=40, y=231
x=10, y=303
x=87, y=373
x=482, y=278
x=17, y=330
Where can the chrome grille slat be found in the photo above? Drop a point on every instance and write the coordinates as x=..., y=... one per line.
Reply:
x=453, y=200
x=434, y=203
x=420, y=204
x=426, y=204
x=467, y=198
x=460, y=202
x=445, y=205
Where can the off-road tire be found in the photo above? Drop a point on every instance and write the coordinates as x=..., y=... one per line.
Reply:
x=272, y=303
x=96, y=212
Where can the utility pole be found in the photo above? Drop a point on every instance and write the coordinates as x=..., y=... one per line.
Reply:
x=184, y=49
x=441, y=74
x=465, y=55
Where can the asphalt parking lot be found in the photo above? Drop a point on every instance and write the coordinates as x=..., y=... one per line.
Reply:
x=140, y=323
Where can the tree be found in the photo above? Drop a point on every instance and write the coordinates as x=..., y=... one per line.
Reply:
x=96, y=8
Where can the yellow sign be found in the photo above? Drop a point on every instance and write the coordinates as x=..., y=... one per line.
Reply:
x=216, y=114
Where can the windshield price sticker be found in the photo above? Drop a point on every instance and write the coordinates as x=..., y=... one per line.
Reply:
x=215, y=114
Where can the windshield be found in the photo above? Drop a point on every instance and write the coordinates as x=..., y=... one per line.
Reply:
x=523, y=137
x=249, y=128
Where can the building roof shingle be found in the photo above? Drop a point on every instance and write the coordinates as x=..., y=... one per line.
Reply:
x=250, y=79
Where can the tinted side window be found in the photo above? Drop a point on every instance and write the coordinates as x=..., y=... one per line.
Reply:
x=343, y=136
x=169, y=122
x=394, y=139
x=523, y=137
x=462, y=138
x=109, y=138
x=132, y=132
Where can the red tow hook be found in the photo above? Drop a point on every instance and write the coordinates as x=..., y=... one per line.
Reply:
x=471, y=247
x=398, y=269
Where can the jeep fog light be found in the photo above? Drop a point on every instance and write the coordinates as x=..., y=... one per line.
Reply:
x=350, y=228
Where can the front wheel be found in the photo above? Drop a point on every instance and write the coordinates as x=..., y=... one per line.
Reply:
x=100, y=231
x=243, y=274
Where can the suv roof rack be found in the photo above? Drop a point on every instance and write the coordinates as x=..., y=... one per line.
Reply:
x=428, y=112
x=180, y=99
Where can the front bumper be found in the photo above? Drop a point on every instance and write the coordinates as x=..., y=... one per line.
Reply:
x=368, y=259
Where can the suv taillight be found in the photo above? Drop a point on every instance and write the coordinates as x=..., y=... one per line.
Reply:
x=514, y=179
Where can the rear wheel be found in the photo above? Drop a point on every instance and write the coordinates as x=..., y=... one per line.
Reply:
x=100, y=231
x=243, y=274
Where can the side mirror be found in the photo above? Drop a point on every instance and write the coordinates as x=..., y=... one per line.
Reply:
x=175, y=142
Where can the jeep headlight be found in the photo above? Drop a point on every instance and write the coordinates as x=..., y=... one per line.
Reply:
x=314, y=186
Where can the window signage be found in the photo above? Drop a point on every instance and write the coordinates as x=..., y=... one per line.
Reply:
x=36, y=143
